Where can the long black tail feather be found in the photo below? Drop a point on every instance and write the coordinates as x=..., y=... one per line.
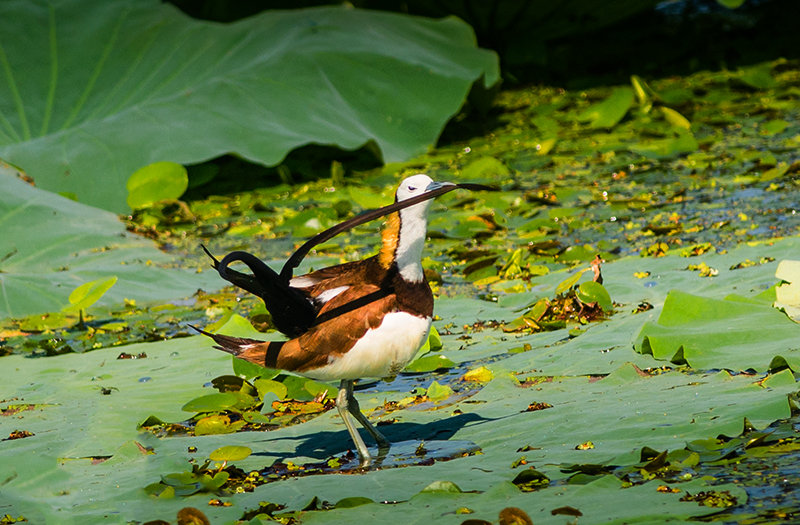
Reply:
x=292, y=312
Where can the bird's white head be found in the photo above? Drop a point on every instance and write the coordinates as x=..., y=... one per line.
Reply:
x=413, y=186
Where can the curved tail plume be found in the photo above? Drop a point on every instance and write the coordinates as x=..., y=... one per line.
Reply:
x=292, y=312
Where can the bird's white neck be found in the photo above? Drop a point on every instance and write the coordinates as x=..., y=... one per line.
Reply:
x=404, y=239
x=413, y=230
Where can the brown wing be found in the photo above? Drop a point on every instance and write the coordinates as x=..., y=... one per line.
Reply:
x=355, y=273
x=342, y=321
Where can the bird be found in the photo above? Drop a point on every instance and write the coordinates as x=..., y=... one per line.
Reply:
x=360, y=319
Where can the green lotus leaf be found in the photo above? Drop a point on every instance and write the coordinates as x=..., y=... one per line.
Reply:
x=354, y=501
x=437, y=392
x=727, y=333
x=607, y=113
x=216, y=424
x=53, y=245
x=442, y=486
x=594, y=292
x=125, y=84
x=267, y=385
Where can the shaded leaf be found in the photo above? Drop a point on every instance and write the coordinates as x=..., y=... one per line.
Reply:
x=594, y=292
x=530, y=479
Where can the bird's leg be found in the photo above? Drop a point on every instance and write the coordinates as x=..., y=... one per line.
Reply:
x=343, y=400
x=352, y=405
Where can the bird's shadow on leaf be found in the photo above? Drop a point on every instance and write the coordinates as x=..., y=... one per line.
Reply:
x=326, y=444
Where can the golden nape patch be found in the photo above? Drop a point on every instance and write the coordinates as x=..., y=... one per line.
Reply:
x=389, y=238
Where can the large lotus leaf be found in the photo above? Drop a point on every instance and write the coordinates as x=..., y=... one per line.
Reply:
x=604, y=346
x=51, y=245
x=94, y=90
x=601, y=502
x=730, y=333
x=620, y=414
x=72, y=419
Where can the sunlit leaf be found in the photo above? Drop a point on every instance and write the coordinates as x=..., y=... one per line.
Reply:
x=593, y=292
x=663, y=148
x=609, y=112
x=230, y=453
x=758, y=77
x=267, y=385
x=478, y=375
x=787, y=294
x=675, y=118
x=442, y=486
x=428, y=363
x=731, y=4
x=156, y=182
x=211, y=402
x=720, y=333
x=89, y=293
x=51, y=245
x=570, y=281
x=437, y=391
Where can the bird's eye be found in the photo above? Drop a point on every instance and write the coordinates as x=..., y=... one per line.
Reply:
x=412, y=188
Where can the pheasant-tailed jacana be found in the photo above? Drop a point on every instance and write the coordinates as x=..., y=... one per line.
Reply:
x=354, y=320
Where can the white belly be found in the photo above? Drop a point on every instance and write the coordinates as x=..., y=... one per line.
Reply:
x=382, y=352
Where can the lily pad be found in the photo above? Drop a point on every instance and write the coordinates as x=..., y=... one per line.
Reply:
x=594, y=292
x=211, y=402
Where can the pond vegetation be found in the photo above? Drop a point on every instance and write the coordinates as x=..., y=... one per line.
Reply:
x=616, y=324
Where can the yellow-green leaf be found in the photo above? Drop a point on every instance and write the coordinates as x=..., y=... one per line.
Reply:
x=230, y=453
x=89, y=293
